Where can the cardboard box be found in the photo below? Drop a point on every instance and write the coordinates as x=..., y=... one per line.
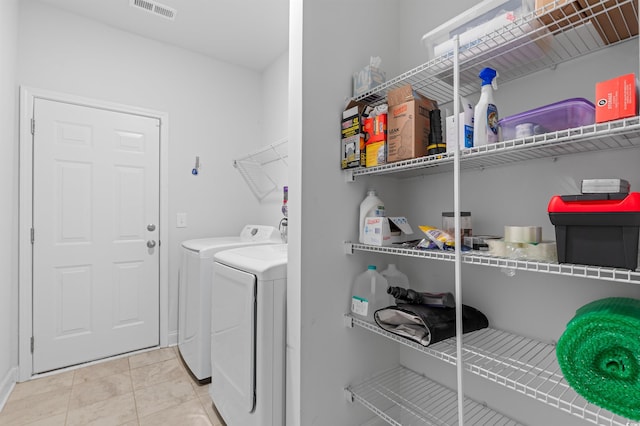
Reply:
x=352, y=141
x=618, y=23
x=366, y=79
x=554, y=17
x=408, y=124
x=616, y=98
x=375, y=140
x=384, y=231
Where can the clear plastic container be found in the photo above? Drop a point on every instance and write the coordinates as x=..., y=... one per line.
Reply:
x=574, y=112
x=369, y=294
x=395, y=278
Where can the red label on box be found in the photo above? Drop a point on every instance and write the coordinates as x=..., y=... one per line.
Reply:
x=616, y=98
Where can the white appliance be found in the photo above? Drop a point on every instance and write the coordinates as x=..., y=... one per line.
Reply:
x=248, y=326
x=194, y=292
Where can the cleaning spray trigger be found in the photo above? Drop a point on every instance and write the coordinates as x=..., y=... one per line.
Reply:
x=488, y=76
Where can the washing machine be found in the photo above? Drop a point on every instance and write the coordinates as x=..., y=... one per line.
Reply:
x=248, y=335
x=194, y=292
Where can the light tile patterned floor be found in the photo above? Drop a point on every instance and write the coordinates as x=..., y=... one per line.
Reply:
x=150, y=388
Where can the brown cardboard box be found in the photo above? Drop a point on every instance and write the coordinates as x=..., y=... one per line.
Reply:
x=408, y=124
x=555, y=16
x=612, y=23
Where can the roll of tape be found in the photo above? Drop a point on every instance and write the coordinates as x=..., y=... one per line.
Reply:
x=523, y=234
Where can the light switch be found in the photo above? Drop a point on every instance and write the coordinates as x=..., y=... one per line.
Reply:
x=181, y=220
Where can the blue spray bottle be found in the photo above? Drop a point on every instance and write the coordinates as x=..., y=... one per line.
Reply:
x=485, y=116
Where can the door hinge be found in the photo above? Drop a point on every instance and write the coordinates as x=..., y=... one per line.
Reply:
x=33, y=236
x=33, y=126
x=31, y=344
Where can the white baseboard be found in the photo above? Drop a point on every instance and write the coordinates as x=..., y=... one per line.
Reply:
x=7, y=384
x=172, y=338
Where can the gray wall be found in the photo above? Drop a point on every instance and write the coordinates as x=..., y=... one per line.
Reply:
x=534, y=305
x=9, y=196
x=204, y=98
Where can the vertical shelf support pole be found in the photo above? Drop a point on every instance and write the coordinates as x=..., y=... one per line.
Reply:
x=456, y=208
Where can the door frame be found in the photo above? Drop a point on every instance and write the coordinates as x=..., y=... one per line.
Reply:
x=28, y=96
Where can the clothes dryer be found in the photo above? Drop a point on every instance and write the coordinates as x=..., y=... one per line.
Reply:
x=194, y=292
x=248, y=326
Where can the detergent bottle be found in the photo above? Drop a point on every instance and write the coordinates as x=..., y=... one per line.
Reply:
x=485, y=116
x=372, y=205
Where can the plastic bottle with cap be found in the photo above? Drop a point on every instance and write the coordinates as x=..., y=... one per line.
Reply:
x=485, y=116
x=395, y=277
x=370, y=206
x=369, y=294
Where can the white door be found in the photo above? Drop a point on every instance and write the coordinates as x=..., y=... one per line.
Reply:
x=95, y=223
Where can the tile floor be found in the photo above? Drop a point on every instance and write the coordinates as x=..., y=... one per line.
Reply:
x=150, y=388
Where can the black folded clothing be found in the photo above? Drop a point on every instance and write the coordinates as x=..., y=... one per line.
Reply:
x=425, y=324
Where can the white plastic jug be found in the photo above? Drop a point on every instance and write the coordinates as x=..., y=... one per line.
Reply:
x=369, y=294
x=395, y=278
x=370, y=206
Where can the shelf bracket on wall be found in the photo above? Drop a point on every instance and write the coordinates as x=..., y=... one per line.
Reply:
x=348, y=395
x=348, y=176
x=348, y=248
x=347, y=320
x=252, y=167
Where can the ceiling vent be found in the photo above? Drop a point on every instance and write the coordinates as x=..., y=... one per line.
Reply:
x=155, y=8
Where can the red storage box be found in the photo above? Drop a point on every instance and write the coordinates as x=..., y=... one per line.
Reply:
x=597, y=229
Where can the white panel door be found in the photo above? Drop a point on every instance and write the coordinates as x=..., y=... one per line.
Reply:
x=95, y=214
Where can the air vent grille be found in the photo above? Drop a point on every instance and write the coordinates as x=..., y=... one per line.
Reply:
x=155, y=8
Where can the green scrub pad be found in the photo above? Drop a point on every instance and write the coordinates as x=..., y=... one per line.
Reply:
x=599, y=354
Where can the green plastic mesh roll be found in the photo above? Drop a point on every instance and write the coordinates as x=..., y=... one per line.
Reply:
x=599, y=354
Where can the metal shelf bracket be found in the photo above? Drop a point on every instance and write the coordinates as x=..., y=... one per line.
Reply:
x=348, y=248
x=347, y=321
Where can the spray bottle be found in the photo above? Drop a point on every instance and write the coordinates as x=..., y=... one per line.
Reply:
x=485, y=116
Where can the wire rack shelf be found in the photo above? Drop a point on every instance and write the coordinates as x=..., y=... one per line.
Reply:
x=540, y=39
x=478, y=258
x=252, y=167
x=403, y=397
x=617, y=134
x=524, y=365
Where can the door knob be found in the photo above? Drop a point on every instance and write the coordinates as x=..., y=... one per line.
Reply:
x=151, y=227
x=151, y=244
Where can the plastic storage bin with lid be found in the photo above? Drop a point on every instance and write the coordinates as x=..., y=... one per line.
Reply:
x=598, y=229
x=574, y=112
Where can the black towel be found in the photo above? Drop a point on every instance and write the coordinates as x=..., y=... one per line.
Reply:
x=425, y=324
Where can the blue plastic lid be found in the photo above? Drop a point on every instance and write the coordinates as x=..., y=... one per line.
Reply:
x=371, y=267
x=487, y=75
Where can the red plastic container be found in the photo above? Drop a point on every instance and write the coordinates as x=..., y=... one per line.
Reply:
x=574, y=112
x=597, y=229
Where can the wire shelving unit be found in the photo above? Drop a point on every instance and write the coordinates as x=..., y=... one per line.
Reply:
x=521, y=48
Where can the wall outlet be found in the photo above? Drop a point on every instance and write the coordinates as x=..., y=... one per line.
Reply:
x=181, y=220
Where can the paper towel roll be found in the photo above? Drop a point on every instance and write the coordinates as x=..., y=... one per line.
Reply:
x=522, y=234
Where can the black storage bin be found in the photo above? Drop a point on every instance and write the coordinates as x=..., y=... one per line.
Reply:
x=587, y=236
